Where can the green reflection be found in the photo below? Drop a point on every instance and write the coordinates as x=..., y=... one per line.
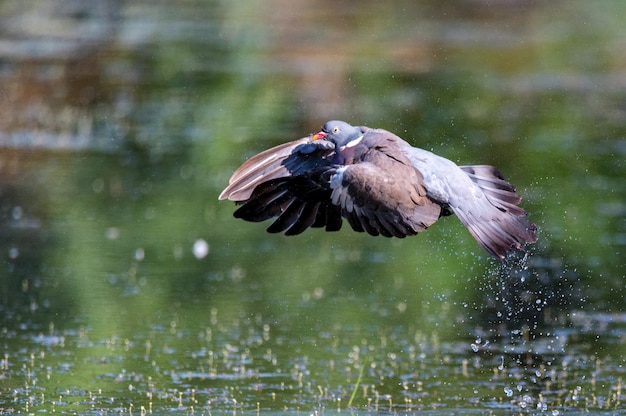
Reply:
x=105, y=307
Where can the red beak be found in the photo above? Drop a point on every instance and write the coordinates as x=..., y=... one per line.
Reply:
x=319, y=136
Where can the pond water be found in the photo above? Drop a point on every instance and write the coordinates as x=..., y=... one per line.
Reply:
x=127, y=287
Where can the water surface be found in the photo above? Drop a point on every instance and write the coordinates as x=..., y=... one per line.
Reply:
x=128, y=288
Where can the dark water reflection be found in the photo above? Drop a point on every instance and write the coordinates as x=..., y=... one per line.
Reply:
x=126, y=286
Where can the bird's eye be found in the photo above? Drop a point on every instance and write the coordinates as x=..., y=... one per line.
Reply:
x=336, y=130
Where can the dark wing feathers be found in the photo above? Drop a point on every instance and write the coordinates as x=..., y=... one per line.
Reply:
x=288, y=159
x=328, y=216
x=269, y=198
x=297, y=203
x=286, y=182
x=306, y=218
x=288, y=217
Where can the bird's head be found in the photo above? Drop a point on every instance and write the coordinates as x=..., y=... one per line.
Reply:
x=338, y=132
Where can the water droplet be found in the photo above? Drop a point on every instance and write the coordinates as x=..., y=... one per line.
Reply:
x=178, y=252
x=112, y=233
x=200, y=248
x=14, y=252
x=16, y=213
x=97, y=185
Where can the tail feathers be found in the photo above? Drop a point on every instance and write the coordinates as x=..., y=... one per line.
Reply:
x=499, y=192
x=500, y=233
x=497, y=222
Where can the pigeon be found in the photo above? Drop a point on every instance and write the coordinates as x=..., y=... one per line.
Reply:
x=380, y=185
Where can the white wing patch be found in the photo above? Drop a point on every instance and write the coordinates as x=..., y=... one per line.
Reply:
x=339, y=196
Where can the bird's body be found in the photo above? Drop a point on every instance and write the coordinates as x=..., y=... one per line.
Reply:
x=380, y=184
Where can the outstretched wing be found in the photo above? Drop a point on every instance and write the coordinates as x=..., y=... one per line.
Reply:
x=297, y=203
x=289, y=182
x=383, y=194
x=288, y=159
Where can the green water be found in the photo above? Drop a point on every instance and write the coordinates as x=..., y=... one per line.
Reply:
x=126, y=287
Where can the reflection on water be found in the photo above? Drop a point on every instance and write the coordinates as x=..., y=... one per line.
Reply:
x=120, y=123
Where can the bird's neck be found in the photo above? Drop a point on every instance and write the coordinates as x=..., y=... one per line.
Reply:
x=346, y=154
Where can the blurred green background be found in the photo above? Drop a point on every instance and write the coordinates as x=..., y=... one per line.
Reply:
x=126, y=286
